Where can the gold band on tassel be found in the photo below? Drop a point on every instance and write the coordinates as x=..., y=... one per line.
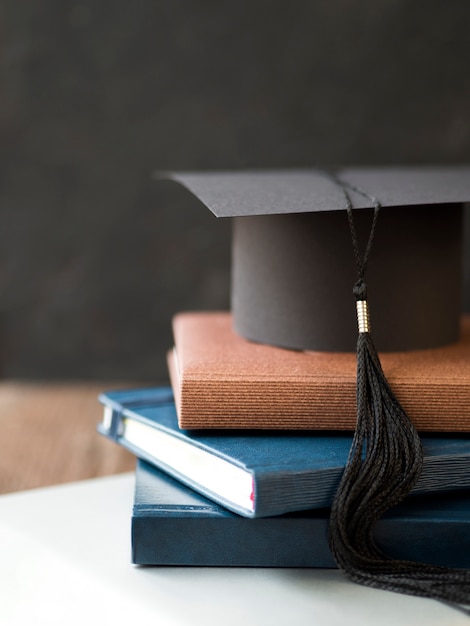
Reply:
x=362, y=316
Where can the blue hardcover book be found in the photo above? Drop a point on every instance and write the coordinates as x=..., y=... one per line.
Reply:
x=173, y=525
x=253, y=473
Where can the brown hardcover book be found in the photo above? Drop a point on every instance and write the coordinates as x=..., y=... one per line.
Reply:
x=221, y=380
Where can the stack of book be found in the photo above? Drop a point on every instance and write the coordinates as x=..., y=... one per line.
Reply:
x=239, y=459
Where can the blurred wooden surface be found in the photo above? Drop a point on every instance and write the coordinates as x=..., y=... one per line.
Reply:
x=48, y=435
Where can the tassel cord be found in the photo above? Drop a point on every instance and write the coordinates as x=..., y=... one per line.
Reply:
x=383, y=466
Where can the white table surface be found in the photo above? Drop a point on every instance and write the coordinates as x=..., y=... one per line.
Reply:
x=65, y=559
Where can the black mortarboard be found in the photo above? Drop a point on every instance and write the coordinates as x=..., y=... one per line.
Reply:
x=296, y=259
x=293, y=266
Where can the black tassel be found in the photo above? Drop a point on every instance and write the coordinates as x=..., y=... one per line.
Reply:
x=384, y=463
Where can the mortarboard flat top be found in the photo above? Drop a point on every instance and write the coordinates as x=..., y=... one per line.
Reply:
x=293, y=265
x=270, y=192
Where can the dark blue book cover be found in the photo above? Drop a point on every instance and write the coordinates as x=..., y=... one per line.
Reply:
x=257, y=473
x=173, y=525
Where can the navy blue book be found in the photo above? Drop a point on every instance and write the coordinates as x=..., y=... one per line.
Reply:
x=253, y=473
x=174, y=525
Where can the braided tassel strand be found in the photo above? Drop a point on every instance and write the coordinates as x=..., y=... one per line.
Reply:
x=385, y=461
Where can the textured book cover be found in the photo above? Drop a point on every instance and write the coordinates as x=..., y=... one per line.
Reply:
x=173, y=525
x=257, y=473
x=221, y=380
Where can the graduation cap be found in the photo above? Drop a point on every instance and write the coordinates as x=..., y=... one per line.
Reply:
x=292, y=265
x=303, y=240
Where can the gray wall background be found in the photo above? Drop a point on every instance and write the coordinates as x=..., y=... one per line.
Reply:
x=96, y=95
